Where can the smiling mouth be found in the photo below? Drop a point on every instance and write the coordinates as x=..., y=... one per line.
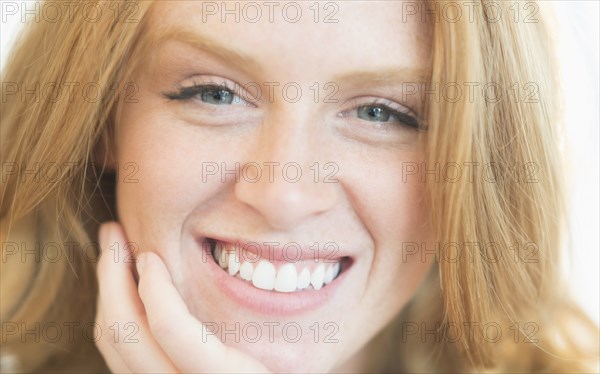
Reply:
x=289, y=276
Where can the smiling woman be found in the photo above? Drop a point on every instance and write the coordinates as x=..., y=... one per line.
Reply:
x=350, y=187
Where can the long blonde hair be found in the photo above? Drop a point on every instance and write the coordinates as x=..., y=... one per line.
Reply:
x=57, y=131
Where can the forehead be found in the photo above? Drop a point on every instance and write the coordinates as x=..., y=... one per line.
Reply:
x=301, y=37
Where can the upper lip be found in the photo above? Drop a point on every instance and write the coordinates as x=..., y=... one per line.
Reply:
x=290, y=250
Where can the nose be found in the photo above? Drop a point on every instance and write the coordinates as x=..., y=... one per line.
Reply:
x=283, y=178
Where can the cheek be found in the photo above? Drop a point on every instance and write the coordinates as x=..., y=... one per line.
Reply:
x=401, y=225
x=399, y=209
x=405, y=232
x=167, y=186
x=390, y=203
x=394, y=212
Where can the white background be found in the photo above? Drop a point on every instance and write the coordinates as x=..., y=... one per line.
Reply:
x=577, y=35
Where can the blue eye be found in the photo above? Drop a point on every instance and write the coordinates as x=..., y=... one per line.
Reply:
x=216, y=96
x=207, y=93
x=382, y=113
x=373, y=113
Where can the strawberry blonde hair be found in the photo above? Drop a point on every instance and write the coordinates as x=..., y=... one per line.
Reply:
x=60, y=208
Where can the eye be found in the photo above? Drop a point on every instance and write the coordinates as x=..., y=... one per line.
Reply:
x=374, y=113
x=385, y=114
x=216, y=95
x=211, y=94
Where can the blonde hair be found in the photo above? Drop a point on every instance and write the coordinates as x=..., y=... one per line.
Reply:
x=68, y=207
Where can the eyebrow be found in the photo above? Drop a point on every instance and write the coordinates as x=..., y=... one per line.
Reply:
x=250, y=65
x=391, y=76
x=206, y=44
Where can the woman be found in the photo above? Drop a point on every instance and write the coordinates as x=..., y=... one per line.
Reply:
x=291, y=187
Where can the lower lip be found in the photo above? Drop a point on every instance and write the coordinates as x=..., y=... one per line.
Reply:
x=271, y=302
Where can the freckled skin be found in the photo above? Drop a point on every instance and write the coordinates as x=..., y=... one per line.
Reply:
x=370, y=210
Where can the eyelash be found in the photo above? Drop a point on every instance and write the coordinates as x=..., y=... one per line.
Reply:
x=405, y=118
x=188, y=93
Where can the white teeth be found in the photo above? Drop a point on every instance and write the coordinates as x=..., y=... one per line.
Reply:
x=264, y=276
x=328, y=275
x=304, y=279
x=336, y=269
x=317, y=277
x=246, y=271
x=287, y=278
x=234, y=263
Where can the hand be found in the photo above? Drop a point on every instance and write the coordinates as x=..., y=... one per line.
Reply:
x=167, y=339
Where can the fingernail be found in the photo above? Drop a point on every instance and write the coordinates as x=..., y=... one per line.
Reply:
x=141, y=261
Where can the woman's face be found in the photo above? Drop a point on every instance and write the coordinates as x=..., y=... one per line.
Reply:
x=283, y=136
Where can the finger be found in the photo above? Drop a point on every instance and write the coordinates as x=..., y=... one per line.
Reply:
x=111, y=357
x=181, y=335
x=124, y=320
